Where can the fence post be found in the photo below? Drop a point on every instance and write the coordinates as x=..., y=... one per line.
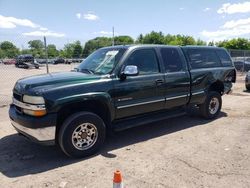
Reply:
x=46, y=54
x=244, y=61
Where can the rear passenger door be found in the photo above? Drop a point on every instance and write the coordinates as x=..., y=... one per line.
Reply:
x=177, y=78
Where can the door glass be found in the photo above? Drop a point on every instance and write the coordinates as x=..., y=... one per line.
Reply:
x=171, y=59
x=145, y=60
x=203, y=58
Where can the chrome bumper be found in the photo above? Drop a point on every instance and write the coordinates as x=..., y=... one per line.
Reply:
x=40, y=134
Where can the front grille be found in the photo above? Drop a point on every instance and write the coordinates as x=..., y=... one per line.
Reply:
x=17, y=96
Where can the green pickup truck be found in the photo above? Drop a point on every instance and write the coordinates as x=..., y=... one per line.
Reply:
x=119, y=87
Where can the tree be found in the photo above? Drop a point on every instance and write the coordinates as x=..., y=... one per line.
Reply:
x=37, y=48
x=8, y=49
x=68, y=50
x=36, y=44
x=95, y=44
x=52, y=51
x=26, y=51
x=139, y=39
x=211, y=43
x=168, y=39
x=2, y=55
x=239, y=43
x=200, y=42
x=122, y=40
x=154, y=38
x=77, y=49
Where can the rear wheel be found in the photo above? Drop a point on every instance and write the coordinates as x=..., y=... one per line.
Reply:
x=211, y=107
x=82, y=134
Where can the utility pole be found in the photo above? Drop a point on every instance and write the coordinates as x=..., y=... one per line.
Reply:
x=113, y=38
x=46, y=54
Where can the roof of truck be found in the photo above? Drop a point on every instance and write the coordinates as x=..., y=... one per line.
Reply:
x=161, y=45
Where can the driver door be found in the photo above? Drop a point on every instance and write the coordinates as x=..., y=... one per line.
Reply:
x=142, y=93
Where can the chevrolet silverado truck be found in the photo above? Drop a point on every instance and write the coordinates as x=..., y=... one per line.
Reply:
x=119, y=87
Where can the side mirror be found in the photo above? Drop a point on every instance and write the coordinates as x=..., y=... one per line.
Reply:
x=129, y=70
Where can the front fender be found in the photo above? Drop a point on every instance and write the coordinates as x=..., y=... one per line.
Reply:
x=102, y=97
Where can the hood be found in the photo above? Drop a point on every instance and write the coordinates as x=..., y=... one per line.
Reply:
x=42, y=83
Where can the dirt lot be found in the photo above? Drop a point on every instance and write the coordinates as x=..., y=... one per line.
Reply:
x=180, y=152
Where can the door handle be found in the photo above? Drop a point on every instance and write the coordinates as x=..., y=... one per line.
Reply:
x=159, y=81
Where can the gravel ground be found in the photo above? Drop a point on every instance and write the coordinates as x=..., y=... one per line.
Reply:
x=179, y=152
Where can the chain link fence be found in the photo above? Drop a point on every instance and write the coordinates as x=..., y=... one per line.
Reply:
x=9, y=74
x=241, y=59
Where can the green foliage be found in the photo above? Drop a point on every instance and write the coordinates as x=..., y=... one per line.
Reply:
x=77, y=49
x=95, y=44
x=153, y=38
x=122, y=40
x=68, y=50
x=37, y=48
x=239, y=43
x=52, y=51
x=26, y=51
x=36, y=44
x=200, y=42
x=211, y=43
x=8, y=50
x=71, y=50
x=139, y=39
x=1, y=54
x=159, y=38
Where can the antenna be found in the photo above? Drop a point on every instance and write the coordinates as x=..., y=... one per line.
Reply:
x=113, y=38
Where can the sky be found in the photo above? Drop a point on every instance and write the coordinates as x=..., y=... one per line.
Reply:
x=63, y=21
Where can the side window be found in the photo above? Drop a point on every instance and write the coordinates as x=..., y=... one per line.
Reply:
x=224, y=58
x=203, y=58
x=171, y=59
x=145, y=60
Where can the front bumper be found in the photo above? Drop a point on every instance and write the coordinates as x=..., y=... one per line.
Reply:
x=41, y=130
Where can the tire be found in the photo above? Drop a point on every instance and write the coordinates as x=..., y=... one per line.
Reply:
x=79, y=129
x=210, y=109
x=248, y=87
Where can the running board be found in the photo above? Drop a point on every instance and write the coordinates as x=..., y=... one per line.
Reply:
x=127, y=123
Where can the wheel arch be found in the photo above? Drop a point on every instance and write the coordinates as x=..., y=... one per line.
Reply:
x=96, y=106
x=217, y=86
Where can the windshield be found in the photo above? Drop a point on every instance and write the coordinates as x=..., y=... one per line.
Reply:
x=101, y=61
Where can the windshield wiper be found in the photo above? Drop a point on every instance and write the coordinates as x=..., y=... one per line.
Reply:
x=87, y=70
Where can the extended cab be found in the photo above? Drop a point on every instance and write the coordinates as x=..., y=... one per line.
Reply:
x=120, y=87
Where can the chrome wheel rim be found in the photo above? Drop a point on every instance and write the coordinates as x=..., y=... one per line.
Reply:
x=214, y=105
x=84, y=136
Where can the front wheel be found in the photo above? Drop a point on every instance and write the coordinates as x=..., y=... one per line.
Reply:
x=82, y=134
x=210, y=109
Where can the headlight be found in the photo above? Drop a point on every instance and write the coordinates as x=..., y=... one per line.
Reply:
x=34, y=108
x=33, y=99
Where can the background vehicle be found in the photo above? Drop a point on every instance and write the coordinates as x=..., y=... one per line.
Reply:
x=59, y=61
x=242, y=64
x=247, y=81
x=9, y=61
x=117, y=88
x=26, y=61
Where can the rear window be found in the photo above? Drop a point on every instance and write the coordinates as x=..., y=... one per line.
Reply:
x=203, y=58
x=224, y=58
x=171, y=59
